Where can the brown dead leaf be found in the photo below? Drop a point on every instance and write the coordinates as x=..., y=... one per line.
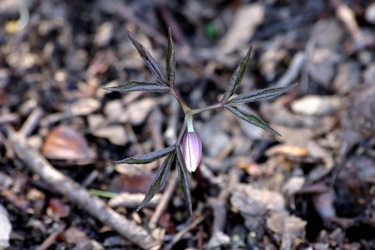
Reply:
x=57, y=209
x=73, y=235
x=243, y=27
x=253, y=169
x=18, y=201
x=115, y=134
x=64, y=143
x=289, y=150
x=131, y=183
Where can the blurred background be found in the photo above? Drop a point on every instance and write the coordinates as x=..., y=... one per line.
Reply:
x=312, y=188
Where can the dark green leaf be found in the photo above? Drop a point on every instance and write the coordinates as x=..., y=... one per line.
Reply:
x=149, y=60
x=139, y=86
x=147, y=158
x=158, y=182
x=183, y=178
x=261, y=94
x=170, y=60
x=237, y=76
x=251, y=118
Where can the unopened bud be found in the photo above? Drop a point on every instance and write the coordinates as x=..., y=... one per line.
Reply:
x=192, y=150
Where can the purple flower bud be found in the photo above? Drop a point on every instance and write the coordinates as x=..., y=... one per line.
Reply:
x=192, y=150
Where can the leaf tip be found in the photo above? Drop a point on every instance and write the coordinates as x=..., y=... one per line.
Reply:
x=250, y=50
x=277, y=133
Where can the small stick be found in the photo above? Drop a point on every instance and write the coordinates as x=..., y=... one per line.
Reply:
x=78, y=195
x=181, y=233
x=48, y=241
x=32, y=120
x=294, y=69
x=128, y=15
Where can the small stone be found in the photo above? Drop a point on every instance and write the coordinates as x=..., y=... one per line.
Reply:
x=115, y=134
x=316, y=105
x=84, y=106
x=370, y=13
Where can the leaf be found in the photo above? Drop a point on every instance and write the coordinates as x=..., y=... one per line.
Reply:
x=65, y=143
x=147, y=158
x=183, y=178
x=149, y=60
x=170, y=60
x=139, y=86
x=261, y=94
x=158, y=182
x=250, y=118
x=237, y=76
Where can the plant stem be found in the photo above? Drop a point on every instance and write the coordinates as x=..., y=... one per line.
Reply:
x=189, y=122
x=215, y=106
x=183, y=104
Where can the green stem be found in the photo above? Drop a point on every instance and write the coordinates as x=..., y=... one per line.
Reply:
x=215, y=106
x=189, y=122
x=183, y=104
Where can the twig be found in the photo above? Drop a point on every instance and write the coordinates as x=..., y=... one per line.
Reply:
x=32, y=120
x=164, y=200
x=128, y=15
x=76, y=194
x=346, y=15
x=294, y=69
x=181, y=233
x=171, y=22
x=49, y=241
x=8, y=118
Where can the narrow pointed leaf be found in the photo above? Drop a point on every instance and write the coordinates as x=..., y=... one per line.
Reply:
x=149, y=60
x=139, y=86
x=183, y=178
x=237, y=76
x=261, y=94
x=170, y=60
x=158, y=182
x=147, y=158
x=250, y=118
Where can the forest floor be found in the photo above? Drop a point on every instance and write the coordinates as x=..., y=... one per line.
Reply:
x=60, y=130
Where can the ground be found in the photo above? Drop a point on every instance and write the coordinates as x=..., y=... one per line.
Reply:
x=60, y=130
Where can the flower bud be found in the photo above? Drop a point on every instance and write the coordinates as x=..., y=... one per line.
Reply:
x=192, y=150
